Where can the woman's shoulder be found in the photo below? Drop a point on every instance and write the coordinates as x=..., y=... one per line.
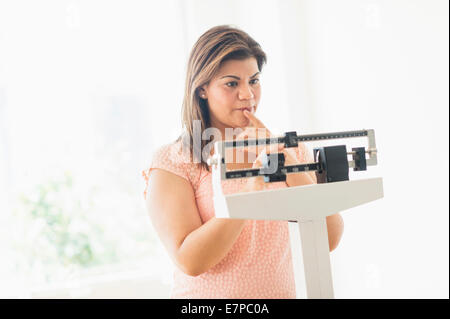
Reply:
x=176, y=158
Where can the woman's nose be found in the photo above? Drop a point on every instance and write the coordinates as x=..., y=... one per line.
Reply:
x=246, y=93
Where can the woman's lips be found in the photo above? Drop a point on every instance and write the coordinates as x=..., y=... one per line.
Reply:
x=250, y=109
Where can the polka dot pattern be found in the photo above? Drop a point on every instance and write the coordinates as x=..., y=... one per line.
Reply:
x=259, y=265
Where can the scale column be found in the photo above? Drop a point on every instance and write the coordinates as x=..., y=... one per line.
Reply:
x=316, y=258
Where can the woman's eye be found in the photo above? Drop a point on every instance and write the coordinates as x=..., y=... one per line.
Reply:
x=231, y=84
x=254, y=81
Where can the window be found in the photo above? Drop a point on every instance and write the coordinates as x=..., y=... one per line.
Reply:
x=81, y=83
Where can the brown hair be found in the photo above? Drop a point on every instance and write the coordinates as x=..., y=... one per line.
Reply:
x=215, y=46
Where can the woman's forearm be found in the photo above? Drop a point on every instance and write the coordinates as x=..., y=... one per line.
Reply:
x=206, y=246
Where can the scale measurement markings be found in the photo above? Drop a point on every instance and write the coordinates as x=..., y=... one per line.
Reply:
x=300, y=138
x=285, y=169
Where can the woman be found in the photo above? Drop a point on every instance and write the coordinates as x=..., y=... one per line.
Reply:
x=222, y=258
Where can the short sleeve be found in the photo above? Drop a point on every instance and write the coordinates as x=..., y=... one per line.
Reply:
x=169, y=159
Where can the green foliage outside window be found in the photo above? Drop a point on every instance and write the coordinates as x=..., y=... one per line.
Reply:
x=63, y=227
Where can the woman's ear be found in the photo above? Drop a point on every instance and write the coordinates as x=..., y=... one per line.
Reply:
x=202, y=93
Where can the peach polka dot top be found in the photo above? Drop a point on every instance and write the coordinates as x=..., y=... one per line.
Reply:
x=259, y=264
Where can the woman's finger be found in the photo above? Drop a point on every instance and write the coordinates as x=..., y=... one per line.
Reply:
x=253, y=119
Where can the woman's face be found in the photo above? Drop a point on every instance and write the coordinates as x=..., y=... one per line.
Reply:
x=235, y=87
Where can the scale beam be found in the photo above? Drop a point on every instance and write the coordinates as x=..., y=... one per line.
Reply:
x=290, y=139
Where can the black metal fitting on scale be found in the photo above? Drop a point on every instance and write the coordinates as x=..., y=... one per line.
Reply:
x=333, y=164
x=359, y=156
x=272, y=164
x=290, y=139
